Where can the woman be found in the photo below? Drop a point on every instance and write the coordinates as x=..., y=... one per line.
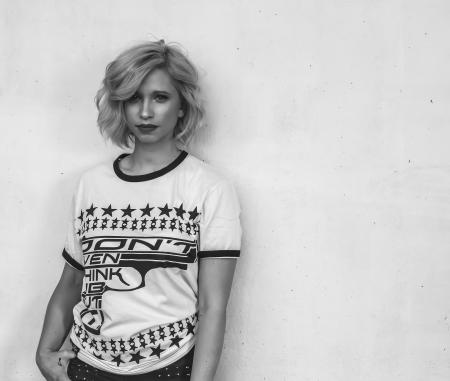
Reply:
x=152, y=240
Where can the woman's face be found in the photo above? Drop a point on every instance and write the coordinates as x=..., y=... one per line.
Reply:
x=152, y=113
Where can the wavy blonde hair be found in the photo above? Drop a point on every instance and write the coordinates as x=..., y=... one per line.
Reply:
x=124, y=75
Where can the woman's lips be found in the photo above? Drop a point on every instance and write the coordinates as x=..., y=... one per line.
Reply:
x=146, y=127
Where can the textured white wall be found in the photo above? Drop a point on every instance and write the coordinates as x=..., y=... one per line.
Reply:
x=332, y=117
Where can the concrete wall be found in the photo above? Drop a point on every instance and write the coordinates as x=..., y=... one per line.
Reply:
x=332, y=118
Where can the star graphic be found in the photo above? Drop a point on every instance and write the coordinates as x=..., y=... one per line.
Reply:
x=153, y=223
x=99, y=356
x=134, y=224
x=136, y=357
x=94, y=223
x=113, y=346
x=175, y=341
x=114, y=223
x=104, y=223
x=90, y=211
x=127, y=211
x=141, y=337
x=108, y=210
x=180, y=325
x=173, y=224
x=164, y=210
x=132, y=344
x=161, y=330
x=122, y=345
x=124, y=224
x=190, y=328
x=144, y=224
x=180, y=227
x=180, y=211
x=193, y=215
x=152, y=340
x=146, y=211
x=118, y=360
x=157, y=351
x=162, y=223
x=80, y=217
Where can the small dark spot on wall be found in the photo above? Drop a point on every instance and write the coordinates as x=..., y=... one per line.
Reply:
x=421, y=286
x=409, y=161
x=431, y=101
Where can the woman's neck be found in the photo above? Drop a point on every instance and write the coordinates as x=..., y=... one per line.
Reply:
x=145, y=159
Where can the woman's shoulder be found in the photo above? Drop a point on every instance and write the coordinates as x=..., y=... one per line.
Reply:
x=203, y=172
x=96, y=172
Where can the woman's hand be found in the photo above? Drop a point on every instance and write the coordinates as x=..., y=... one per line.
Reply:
x=53, y=365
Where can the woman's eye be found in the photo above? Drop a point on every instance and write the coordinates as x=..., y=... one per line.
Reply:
x=134, y=98
x=161, y=98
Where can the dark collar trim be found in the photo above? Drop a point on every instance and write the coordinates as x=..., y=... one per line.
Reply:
x=147, y=176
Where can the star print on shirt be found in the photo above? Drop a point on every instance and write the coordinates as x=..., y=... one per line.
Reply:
x=180, y=211
x=146, y=211
x=132, y=344
x=175, y=341
x=122, y=345
x=127, y=211
x=90, y=211
x=104, y=223
x=193, y=214
x=157, y=351
x=190, y=328
x=165, y=210
x=144, y=224
x=124, y=224
x=108, y=211
x=118, y=360
x=80, y=217
x=136, y=357
x=113, y=346
x=99, y=356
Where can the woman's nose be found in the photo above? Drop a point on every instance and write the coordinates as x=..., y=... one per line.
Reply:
x=146, y=109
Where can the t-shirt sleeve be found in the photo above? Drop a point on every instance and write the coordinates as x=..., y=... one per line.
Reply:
x=220, y=228
x=72, y=252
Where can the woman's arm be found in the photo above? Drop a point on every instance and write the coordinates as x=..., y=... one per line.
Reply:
x=215, y=279
x=57, y=322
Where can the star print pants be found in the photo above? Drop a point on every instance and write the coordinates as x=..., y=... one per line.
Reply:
x=180, y=370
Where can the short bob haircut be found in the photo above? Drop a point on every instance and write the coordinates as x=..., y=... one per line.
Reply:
x=125, y=74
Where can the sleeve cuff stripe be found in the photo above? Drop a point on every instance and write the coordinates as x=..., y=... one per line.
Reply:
x=219, y=254
x=71, y=261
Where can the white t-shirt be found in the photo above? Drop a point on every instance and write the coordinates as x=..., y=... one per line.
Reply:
x=138, y=240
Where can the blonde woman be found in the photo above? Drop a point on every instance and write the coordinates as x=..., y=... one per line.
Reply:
x=152, y=241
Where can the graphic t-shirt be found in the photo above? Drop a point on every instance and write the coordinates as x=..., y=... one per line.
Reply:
x=138, y=240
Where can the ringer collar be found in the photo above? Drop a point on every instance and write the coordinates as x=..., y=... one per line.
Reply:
x=147, y=176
